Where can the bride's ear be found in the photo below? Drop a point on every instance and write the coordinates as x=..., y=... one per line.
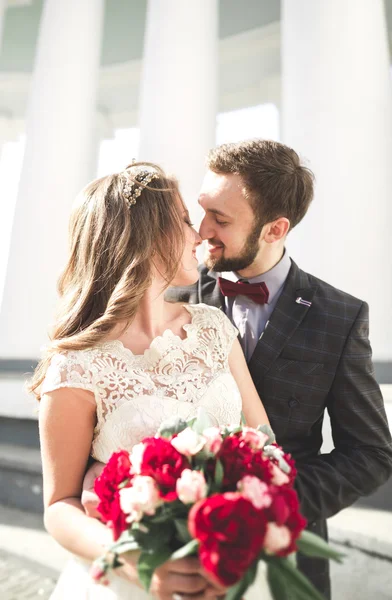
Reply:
x=276, y=230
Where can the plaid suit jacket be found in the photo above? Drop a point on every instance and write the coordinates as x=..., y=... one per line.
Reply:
x=310, y=359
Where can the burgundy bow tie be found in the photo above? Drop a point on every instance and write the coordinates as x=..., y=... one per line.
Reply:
x=258, y=292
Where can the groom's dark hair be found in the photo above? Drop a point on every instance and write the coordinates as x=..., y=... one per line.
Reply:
x=275, y=181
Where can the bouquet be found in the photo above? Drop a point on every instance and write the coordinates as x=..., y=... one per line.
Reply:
x=225, y=494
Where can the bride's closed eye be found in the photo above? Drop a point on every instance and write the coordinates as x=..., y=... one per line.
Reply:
x=188, y=222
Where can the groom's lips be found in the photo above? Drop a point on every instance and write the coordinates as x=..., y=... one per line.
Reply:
x=212, y=248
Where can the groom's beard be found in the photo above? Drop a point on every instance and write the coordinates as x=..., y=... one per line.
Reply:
x=242, y=260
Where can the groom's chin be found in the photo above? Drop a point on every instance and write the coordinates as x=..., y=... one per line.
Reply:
x=211, y=263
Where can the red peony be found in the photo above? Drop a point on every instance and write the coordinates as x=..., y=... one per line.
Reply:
x=164, y=464
x=106, y=487
x=226, y=564
x=284, y=510
x=231, y=532
x=236, y=457
x=261, y=467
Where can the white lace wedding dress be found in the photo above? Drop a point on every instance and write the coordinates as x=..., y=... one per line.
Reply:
x=134, y=394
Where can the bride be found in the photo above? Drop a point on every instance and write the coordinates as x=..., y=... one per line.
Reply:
x=122, y=359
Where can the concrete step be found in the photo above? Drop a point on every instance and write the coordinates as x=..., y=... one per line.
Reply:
x=20, y=477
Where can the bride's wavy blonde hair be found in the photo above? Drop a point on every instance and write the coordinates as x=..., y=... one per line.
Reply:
x=113, y=245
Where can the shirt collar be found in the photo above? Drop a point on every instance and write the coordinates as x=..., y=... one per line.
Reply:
x=274, y=278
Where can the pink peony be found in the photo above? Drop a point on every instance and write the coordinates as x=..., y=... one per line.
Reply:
x=213, y=439
x=278, y=477
x=255, y=439
x=191, y=486
x=256, y=491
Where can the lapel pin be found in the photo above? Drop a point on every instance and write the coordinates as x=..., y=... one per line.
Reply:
x=300, y=300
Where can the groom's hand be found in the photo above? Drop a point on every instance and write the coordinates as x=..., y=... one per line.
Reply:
x=89, y=498
x=183, y=579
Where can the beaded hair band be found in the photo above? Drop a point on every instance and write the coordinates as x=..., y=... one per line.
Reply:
x=134, y=186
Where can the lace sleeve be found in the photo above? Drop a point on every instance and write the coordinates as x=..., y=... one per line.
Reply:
x=226, y=330
x=67, y=370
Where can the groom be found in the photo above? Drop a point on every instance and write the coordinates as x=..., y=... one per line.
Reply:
x=306, y=342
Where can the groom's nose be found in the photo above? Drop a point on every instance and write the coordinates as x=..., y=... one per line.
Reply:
x=205, y=230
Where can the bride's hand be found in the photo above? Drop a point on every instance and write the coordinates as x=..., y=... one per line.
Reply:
x=89, y=498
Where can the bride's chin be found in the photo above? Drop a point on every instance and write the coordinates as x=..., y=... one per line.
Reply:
x=184, y=278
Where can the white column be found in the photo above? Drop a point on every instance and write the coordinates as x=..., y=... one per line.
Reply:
x=56, y=165
x=179, y=90
x=337, y=112
x=2, y=11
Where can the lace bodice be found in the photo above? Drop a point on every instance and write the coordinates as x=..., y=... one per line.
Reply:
x=174, y=376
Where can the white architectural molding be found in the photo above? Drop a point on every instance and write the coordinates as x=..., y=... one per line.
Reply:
x=19, y=2
x=249, y=74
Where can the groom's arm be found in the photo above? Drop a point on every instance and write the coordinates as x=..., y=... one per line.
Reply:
x=362, y=458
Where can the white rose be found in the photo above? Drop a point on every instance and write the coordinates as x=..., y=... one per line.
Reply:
x=141, y=498
x=136, y=458
x=277, y=537
x=188, y=442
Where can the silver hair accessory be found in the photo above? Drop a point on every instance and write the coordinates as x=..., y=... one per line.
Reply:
x=134, y=184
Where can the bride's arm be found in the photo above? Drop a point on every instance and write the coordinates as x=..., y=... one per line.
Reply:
x=67, y=419
x=252, y=406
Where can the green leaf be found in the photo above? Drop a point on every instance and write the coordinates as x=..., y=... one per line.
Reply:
x=219, y=473
x=268, y=431
x=237, y=591
x=288, y=583
x=313, y=545
x=181, y=526
x=203, y=421
x=156, y=536
x=148, y=562
x=125, y=546
x=171, y=426
x=278, y=583
x=188, y=550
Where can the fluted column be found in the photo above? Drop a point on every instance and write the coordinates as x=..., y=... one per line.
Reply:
x=2, y=11
x=337, y=112
x=179, y=89
x=57, y=164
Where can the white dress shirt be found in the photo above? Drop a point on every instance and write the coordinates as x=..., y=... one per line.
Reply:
x=249, y=317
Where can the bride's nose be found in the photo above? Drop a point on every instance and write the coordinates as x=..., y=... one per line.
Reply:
x=198, y=239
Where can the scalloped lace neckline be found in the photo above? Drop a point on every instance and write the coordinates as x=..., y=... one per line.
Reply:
x=158, y=341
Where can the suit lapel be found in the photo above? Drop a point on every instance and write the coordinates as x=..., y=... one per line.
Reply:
x=283, y=322
x=209, y=291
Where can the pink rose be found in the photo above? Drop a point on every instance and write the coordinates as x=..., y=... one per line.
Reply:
x=191, y=487
x=255, y=439
x=278, y=477
x=141, y=498
x=256, y=491
x=188, y=442
x=98, y=574
x=277, y=538
x=213, y=439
